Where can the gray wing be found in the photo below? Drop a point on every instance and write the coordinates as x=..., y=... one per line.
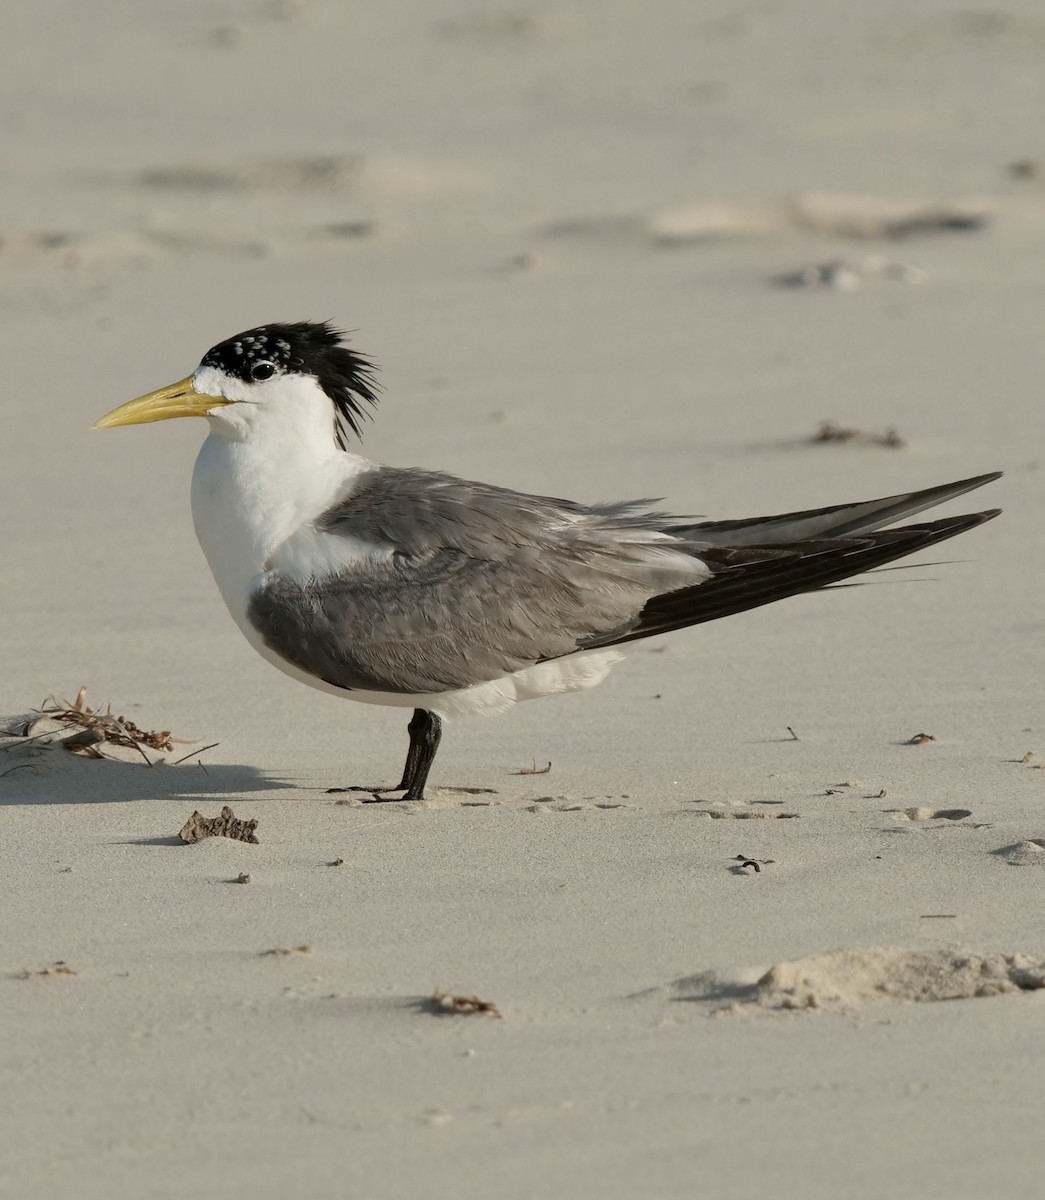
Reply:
x=469, y=583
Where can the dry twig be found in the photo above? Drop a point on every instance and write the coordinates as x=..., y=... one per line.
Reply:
x=534, y=770
x=194, y=754
x=830, y=432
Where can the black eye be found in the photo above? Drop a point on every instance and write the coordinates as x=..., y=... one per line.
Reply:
x=262, y=370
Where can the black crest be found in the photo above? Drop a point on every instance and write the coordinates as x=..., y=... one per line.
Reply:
x=304, y=348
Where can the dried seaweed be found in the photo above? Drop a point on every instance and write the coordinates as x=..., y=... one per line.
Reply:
x=84, y=730
x=92, y=732
x=101, y=722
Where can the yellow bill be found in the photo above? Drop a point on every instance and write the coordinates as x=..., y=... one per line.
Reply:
x=177, y=400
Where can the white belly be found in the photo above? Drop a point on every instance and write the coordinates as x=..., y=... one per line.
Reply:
x=572, y=674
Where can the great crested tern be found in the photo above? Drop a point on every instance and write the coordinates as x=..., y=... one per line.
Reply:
x=412, y=588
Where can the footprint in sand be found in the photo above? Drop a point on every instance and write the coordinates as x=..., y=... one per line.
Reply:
x=928, y=814
x=324, y=172
x=1029, y=853
x=546, y=804
x=741, y=814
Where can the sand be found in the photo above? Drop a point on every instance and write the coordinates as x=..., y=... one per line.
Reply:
x=598, y=250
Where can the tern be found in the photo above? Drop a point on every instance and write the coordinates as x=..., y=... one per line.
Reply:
x=413, y=588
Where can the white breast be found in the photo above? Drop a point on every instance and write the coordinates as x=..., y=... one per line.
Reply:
x=254, y=501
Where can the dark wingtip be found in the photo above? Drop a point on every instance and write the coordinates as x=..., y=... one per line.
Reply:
x=958, y=524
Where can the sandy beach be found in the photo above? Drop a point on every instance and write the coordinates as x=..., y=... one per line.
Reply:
x=749, y=933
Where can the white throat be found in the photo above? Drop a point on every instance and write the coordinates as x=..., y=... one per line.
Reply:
x=268, y=467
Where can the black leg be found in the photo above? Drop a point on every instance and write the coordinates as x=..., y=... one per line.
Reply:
x=413, y=754
x=425, y=730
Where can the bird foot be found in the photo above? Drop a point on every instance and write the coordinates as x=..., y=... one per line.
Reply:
x=380, y=794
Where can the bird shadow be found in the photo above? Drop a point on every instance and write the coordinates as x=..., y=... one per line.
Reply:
x=57, y=777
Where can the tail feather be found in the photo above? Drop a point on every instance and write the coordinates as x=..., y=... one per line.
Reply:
x=747, y=576
x=841, y=520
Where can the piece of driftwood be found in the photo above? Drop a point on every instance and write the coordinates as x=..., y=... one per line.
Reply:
x=227, y=825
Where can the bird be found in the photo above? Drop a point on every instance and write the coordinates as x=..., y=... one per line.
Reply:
x=417, y=589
